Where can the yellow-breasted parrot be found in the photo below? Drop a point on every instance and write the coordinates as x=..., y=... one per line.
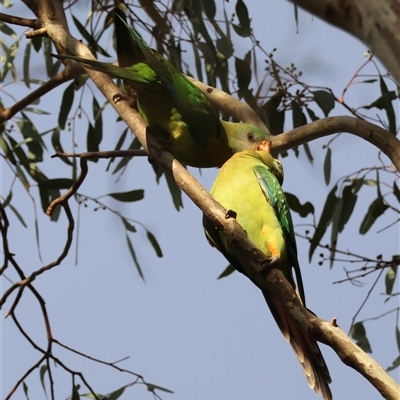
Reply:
x=177, y=112
x=249, y=184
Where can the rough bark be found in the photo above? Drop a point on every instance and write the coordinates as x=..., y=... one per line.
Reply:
x=374, y=22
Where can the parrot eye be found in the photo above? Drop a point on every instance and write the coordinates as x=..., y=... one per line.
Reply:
x=250, y=136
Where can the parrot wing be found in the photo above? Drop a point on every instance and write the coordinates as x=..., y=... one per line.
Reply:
x=276, y=198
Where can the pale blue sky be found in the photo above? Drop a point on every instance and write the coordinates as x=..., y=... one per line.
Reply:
x=183, y=329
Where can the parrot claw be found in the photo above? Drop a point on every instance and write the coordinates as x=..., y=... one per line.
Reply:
x=271, y=261
x=123, y=96
x=230, y=214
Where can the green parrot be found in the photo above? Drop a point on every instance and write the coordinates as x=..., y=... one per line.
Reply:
x=249, y=184
x=177, y=112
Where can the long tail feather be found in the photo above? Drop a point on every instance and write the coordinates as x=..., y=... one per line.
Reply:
x=306, y=349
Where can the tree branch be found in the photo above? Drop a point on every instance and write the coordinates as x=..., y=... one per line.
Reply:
x=380, y=33
x=379, y=137
x=227, y=103
x=11, y=19
x=71, y=71
x=84, y=170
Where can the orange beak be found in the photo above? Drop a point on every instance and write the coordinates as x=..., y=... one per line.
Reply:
x=264, y=146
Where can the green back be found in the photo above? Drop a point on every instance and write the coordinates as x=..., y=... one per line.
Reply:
x=190, y=104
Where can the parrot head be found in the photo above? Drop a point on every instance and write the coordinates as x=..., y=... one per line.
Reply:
x=243, y=136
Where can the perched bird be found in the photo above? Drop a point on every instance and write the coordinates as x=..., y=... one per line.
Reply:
x=177, y=112
x=248, y=184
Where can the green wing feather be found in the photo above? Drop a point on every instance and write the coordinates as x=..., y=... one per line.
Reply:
x=196, y=111
x=275, y=196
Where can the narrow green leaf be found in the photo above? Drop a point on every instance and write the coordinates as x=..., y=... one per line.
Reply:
x=86, y=35
x=151, y=387
x=10, y=54
x=133, y=255
x=25, y=387
x=27, y=57
x=298, y=117
x=311, y=114
x=48, y=57
x=152, y=11
x=359, y=334
x=153, y=241
x=37, y=43
x=390, y=278
x=125, y=160
x=308, y=153
x=302, y=209
x=133, y=195
x=116, y=394
x=226, y=272
x=5, y=28
x=8, y=153
x=128, y=225
x=98, y=120
x=16, y=148
x=396, y=191
x=197, y=62
x=388, y=106
x=349, y=201
x=37, y=238
x=276, y=121
x=243, y=29
x=383, y=101
x=55, y=141
x=22, y=177
x=325, y=101
x=328, y=166
x=325, y=220
x=369, y=182
x=58, y=183
x=118, y=146
x=225, y=46
x=375, y=210
x=18, y=215
x=35, y=110
x=394, y=365
x=7, y=199
x=66, y=104
x=335, y=229
x=32, y=139
x=42, y=372
x=92, y=140
x=398, y=338
x=75, y=392
x=47, y=195
x=175, y=191
x=209, y=8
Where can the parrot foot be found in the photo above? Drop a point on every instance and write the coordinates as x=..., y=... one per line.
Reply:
x=230, y=214
x=270, y=262
x=123, y=96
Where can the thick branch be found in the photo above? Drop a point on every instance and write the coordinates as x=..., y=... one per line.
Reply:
x=227, y=103
x=374, y=134
x=376, y=23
